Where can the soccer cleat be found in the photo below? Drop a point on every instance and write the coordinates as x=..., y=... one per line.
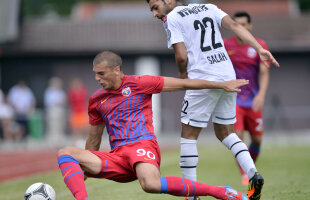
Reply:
x=255, y=187
x=244, y=179
x=232, y=194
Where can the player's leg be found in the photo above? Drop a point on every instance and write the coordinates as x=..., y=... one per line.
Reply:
x=151, y=182
x=223, y=119
x=255, y=145
x=71, y=161
x=254, y=150
x=196, y=111
x=241, y=153
x=254, y=122
x=255, y=126
x=188, y=151
x=225, y=133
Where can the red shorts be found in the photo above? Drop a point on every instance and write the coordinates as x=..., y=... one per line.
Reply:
x=118, y=164
x=248, y=119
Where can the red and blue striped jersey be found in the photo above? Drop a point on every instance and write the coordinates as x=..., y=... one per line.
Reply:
x=246, y=63
x=127, y=111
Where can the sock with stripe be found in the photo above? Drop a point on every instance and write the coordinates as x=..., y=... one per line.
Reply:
x=189, y=158
x=73, y=176
x=241, y=153
x=178, y=186
x=254, y=152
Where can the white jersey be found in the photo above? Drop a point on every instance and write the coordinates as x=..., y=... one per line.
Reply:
x=197, y=26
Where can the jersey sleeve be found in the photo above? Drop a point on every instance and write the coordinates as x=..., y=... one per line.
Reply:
x=173, y=30
x=150, y=84
x=93, y=114
x=218, y=13
x=226, y=43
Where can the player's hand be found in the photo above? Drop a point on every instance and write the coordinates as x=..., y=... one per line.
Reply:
x=233, y=86
x=258, y=102
x=267, y=56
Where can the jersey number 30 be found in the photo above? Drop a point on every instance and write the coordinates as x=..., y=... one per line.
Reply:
x=203, y=25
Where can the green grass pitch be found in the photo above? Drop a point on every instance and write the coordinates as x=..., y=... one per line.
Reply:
x=285, y=169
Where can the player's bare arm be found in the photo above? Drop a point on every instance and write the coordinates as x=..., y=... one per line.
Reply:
x=245, y=35
x=94, y=138
x=181, y=58
x=174, y=84
x=259, y=99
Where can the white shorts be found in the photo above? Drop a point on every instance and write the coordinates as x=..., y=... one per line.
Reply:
x=199, y=105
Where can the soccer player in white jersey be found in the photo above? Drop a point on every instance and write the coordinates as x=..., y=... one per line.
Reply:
x=193, y=32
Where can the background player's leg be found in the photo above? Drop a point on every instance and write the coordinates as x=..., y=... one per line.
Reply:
x=151, y=182
x=254, y=147
x=256, y=128
x=70, y=161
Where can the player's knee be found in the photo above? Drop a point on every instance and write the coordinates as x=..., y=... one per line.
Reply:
x=221, y=136
x=65, y=151
x=150, y=186
x=222, y=131
x=256, y=141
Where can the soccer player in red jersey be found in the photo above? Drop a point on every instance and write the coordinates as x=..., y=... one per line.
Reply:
x=250, y=100
x=123, y=105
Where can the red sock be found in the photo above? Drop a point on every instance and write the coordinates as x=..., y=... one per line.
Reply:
x=178, y=186
x=73, y=176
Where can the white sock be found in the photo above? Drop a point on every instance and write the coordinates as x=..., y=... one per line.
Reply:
x=241, y=153
x=189, y=158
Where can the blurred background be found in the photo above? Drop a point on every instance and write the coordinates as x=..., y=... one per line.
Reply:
x=47, y=48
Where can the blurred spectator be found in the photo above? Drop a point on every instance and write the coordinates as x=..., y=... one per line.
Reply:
x=78, y=101
x=1, y=96
x=11, y=130
x=55, y=105
x=22, y=99
x=1, y=100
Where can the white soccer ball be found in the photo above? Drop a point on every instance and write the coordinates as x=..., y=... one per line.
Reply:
x=40, y=191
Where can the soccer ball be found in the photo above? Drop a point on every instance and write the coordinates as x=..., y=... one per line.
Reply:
x=40, y=191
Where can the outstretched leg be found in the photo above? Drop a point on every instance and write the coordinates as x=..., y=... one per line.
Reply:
x=151, y=182
x=71, y=161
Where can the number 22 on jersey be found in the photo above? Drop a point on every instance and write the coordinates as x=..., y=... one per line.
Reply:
x=203, y=25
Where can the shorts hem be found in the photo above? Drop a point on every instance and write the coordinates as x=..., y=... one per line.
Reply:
x=193, y=123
